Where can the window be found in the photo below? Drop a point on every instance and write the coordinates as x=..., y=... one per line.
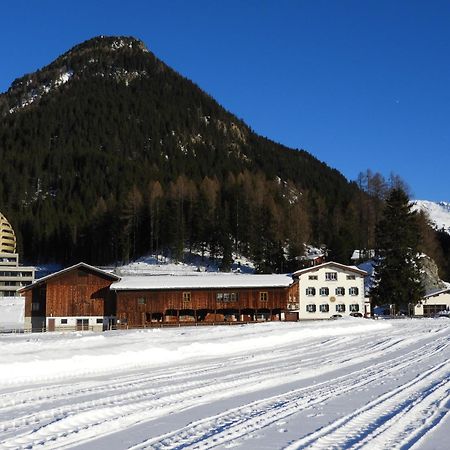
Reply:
x=82, y=324
x=141, y=301
x=331, y=276
x=35, y=307
x=82, y=273
x=311, y=308
x=340, y=291
x=353, y=291
x=99, y=320
x=263, y=296
x=226, y=297
x=63, y=321
x=354, y=308
x=312, y=277
x=310, y=291
x=340, y=308
x=324, y=291
x=351, y=277
x=324, y=308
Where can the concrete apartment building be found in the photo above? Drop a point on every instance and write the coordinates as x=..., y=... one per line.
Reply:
x=12, y=275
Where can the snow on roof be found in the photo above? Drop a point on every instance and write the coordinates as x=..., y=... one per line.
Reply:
x=331, y=264
x=312, y=253
x=362, y=254
x=201, y=281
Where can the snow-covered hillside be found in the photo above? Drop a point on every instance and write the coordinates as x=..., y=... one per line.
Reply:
x=194, y=264
x=439, y=212
x=349, y=384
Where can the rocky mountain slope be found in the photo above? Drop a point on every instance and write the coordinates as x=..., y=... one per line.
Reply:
x=438, y=212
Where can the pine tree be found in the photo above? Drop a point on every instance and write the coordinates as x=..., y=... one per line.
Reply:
x=397, y=277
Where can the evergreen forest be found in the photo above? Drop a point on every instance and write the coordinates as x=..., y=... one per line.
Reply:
x=107, y=154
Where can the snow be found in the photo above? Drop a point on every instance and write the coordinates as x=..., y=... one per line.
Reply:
x=12, y=313
x=161, y=265
x=351, y=383
x=369, y=268
x=312, y=253
x=439, y=212
x=362, y=254
x=37, y=93
x=202, y=280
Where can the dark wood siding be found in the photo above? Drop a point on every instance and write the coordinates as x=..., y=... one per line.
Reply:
x=139, y=307
x=28, y=296
x=79, y=292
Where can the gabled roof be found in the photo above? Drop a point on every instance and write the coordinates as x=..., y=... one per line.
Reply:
x=210, y=281
x=68, y=269
x=436, y=293
x=330, y=264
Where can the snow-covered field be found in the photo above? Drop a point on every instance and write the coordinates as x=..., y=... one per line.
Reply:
x=341, y=384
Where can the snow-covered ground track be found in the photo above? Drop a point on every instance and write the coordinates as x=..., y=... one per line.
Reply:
x=345, y=384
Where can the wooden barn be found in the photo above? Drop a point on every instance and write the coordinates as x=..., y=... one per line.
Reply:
x=76, y=298
x=146, y=300
x=83, y=297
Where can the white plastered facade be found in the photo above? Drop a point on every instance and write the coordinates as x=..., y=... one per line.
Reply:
x=433, y=303
x=329, y=289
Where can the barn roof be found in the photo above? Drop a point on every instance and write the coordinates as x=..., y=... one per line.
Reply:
x=203, y=281
x=68, y=269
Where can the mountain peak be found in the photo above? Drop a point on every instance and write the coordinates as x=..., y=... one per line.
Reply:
x=120, y=58
x=438, y=212
x=109, y=43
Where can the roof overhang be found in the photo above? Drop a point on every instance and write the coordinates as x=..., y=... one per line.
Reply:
x=80, y=265
x=436, y=293
x=330, y=264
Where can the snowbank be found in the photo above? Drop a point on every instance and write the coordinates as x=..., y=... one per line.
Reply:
x=12, y=310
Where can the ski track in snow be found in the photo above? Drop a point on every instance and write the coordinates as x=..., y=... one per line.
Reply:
x=406, y=364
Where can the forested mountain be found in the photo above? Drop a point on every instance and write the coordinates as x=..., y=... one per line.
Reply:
x=107, y=153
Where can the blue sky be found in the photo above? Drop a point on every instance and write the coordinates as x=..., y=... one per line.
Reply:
x=358, y=83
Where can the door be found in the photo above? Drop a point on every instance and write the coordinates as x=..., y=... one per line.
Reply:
x=291, y=316
x=51, y=325
x=82, y=324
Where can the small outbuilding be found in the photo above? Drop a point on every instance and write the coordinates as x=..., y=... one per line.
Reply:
x=433, y=303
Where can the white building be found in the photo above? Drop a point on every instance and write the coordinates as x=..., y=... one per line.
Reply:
x=329, y=289
x=7, y=236
x=433, y=303
x=12, y=275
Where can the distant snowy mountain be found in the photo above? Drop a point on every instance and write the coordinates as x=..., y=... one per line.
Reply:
x=439, y=212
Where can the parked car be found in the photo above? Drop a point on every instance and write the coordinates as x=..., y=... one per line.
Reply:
x=335, y=316
x=356, y=314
